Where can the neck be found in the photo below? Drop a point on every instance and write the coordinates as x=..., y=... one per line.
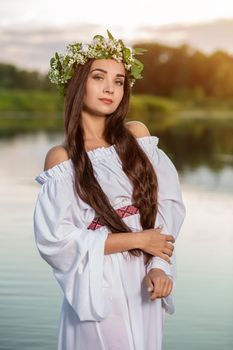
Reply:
x=93, y=126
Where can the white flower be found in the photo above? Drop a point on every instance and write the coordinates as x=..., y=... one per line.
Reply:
x=132, y=83
x=85, y=47
x=106, y=40
x=128, y=66
x=79, y=53
x=94, y=42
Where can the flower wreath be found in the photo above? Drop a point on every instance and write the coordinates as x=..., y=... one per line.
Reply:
x=62, y=66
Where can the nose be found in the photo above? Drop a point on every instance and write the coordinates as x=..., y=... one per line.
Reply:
x=109, y=87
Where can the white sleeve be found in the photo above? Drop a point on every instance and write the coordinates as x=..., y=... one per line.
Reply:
x=75, y=253
x=171, y=214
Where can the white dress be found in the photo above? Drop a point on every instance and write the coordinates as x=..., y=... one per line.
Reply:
x=106, y=305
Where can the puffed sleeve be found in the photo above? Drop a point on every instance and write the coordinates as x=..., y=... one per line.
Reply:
x=171, y=214
x=75, y=253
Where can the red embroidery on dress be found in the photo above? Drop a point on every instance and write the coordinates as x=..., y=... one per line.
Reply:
x=122, y=212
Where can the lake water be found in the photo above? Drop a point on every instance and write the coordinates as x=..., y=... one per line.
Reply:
x=30, y=298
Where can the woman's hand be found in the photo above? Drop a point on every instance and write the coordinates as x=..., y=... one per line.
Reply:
x=152, y=241
x=158, y=283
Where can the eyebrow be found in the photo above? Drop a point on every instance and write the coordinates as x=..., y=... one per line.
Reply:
x=104, y=71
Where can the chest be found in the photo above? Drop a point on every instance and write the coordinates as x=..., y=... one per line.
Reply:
x=91, y=145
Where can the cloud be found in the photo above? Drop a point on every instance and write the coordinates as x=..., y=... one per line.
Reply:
x=207, y=36
x=33, y=48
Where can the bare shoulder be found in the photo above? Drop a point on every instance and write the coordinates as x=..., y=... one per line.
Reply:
x=54, y=156
x=138, y=129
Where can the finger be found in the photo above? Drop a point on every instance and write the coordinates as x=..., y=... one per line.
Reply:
x=164, y=257
x=170, y=287
x=167, y=287
x=169, y=246
x=170, y=238
x=149, y=284
x=163, y=288
x=157, y=289
x=153, y=295
x=167, y=251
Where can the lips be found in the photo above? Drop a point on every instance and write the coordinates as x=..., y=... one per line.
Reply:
x=106, y=100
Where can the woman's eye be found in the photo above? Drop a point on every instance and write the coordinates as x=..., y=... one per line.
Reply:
x=119, y=82
x=97, y=77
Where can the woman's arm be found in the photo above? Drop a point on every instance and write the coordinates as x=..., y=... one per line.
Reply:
x=120, y=242
x=151, y=241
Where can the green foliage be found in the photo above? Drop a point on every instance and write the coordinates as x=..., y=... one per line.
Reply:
x=170, y=71
x=61, y=65
x=30, y=101
x=141, y=105
x=40, y=101
x=29, y=111
x=110, y=35
x=181, y=73
x=18, y=123
x=12, y=77
x=151, y=105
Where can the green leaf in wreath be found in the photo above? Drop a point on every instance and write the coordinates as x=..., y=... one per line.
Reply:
x=98, y=37
x=138, y=63
x=136, y=71
x=126, y=53
x=68, y=73
x=121, y=42
x=60, y=88
x=52, y=60
x=139, y=50
x=110, y=36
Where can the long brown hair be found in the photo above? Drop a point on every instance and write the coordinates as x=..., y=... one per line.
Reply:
x=135, y=162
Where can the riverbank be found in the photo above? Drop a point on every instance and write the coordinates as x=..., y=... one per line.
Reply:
x=14, y=100
x=24, y=111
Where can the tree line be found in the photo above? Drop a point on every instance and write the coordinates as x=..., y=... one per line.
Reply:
x=176, y=72
x=12, y=77
x=184, y=71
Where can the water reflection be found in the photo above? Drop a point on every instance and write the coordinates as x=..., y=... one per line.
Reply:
x=30, y=299
x=196, y=142
x=190, y=142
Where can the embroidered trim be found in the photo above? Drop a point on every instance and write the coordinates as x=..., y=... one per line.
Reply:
x=122, y=212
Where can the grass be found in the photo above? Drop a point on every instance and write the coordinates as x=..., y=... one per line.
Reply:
x=29, y=111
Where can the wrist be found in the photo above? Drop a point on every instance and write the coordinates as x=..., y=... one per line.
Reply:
x=157, y=272
x=138, y=240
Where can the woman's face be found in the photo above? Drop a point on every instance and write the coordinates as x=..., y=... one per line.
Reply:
x=104, y=86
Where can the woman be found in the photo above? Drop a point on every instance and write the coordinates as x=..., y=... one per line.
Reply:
x=109, y=208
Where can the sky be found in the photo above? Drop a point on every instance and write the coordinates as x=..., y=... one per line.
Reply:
x=32, y=30
x=124, y=13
